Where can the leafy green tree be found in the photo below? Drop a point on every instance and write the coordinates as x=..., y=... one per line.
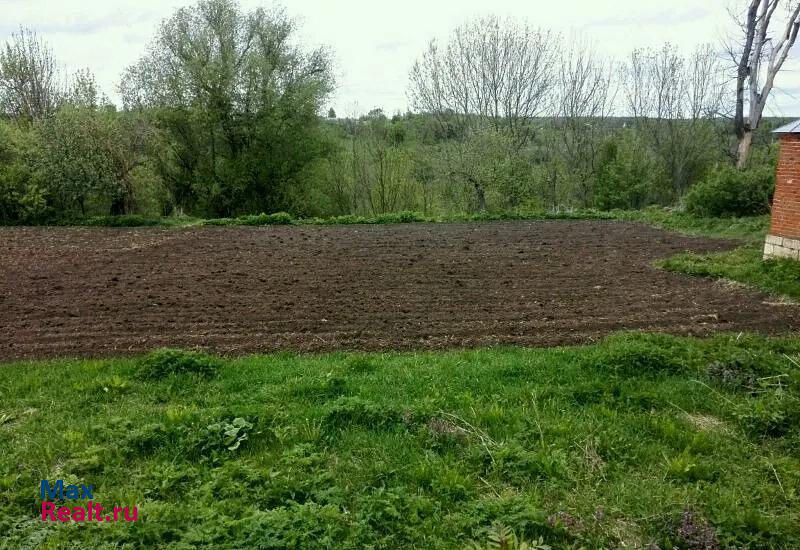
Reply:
x=238, y=101
x=629, y=175
x=73, y=162
x=21, y=198
x=90, y=159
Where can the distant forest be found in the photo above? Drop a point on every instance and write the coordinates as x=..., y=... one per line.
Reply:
x=226, y=115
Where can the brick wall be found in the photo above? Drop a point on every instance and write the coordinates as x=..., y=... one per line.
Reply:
x=786, y=205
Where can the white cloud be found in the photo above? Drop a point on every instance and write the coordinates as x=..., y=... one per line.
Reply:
x=376, y=42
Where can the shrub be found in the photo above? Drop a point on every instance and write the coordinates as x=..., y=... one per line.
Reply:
x=400, y=217
x=738, y=373
x=635, y=358
x=279, y=218
x=731, y=192
x=129, y=220
x=629, y=175
x=775, y=414
x=348, y=412
x=163, y=363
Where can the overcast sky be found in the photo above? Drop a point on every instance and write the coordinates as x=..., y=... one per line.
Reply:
x=375, y=42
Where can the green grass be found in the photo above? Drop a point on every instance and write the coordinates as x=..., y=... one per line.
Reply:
x=744, y=265
x=283, y=218
x=750, y=229
x=639, y=439
x=128, y=220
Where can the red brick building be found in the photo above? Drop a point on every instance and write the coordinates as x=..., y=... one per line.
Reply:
x=783, y=240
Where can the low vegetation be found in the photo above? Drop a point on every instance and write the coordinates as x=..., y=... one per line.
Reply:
x=221, y=117
x=744, y=265
x=638, y=440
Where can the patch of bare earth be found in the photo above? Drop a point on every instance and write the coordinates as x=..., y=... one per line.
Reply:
x=233, y=290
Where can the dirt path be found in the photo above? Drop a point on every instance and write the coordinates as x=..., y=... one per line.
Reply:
x=99, y=292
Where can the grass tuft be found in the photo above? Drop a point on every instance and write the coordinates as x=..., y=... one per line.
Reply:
x=164, y=363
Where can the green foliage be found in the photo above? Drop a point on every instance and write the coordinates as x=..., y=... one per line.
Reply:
x=348, y=412
x=129, y=220
x=223, y=119
x=750, y=228
x=163, y=363
x=400, y=217
x=237, y=101
x=22, y=197
x=604, y=446
x=773, y=414
x=731, y=192
x=745, y=265
x=629, y=176
x=737, y=373
x=635, y=357
x=689, y=468
x=279, y=218
x=501, y=537
x=518, y=466
x=220, y=438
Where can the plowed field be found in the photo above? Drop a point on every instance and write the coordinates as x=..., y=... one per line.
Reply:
x=100, y=292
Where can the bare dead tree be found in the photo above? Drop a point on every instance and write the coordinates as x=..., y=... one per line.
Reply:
x=759, y=55
x=31, y=84
x=492, y=72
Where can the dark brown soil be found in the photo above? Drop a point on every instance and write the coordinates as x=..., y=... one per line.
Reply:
x=100, y=292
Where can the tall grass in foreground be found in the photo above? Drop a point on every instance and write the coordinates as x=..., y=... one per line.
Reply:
x=638, y=440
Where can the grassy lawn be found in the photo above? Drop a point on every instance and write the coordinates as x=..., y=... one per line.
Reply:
x=640, y=439
x=751, y=229
x=744, y=265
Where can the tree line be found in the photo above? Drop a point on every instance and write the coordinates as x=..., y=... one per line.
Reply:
x=222, y=117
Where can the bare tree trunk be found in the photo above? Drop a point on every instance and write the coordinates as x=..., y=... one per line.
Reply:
x=743, y=150
x=481, y=195
x=757, y=47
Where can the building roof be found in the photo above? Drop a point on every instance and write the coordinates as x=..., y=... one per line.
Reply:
x=791, y=128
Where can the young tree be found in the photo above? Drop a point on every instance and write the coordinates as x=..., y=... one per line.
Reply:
x=491, y=73
x=31, y=85
x=584, y=98
x=492, y=76
x=674, y=100
x=759, y=45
